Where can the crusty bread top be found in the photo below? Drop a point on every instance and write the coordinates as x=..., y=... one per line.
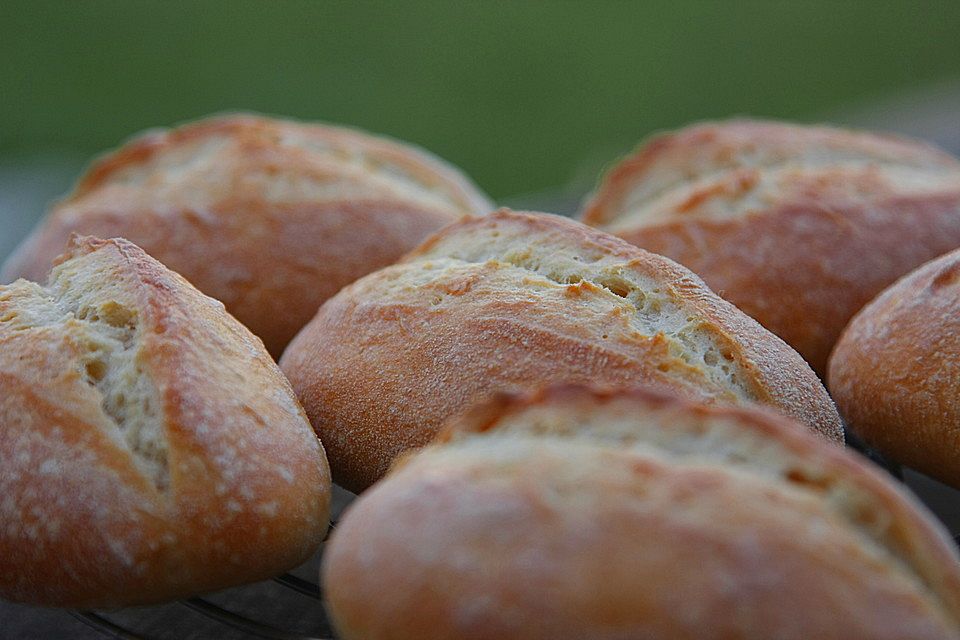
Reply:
x=748, y=442
x=140, y=419
x=734, y=168
x=122, y=316
x=650, y=299
x=895, y=370
x=247, y=157
x=625, y=514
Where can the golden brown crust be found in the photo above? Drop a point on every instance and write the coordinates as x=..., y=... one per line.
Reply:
x=151, y=448
x=895, y=369
x=630, y=514
x=798, y=226
x=271, y=217
x=512, y=300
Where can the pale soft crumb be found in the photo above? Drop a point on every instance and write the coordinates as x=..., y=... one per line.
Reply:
x=88, y=303
x=655, y=308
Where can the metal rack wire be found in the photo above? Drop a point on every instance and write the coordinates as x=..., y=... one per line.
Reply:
x=251, y=628
x=217, y=613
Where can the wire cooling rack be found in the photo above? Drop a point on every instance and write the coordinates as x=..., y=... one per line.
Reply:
x=288, y=607
x=218, y=614
x=245, y=613
x=298, y=598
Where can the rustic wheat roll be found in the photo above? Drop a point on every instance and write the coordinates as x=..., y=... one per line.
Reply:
x=572, y=513
x=513, y=300
x=799, y=226
x=271, y=217
x=150, y=448
x=895, y=372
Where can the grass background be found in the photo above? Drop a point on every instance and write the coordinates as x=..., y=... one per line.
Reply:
x=525, y=96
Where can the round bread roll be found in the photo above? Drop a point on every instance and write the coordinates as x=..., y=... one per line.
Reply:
x=895, y=372
x=514, y=300
x=799, y=226
x=150, y=449
x=573, y=513
x=271, y=217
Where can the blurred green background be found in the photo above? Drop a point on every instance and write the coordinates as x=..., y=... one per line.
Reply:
x=527, y=97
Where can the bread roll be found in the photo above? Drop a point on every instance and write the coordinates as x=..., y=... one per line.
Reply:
x=798, y=226
x=149, y=447
x=514, y=300
x=593, y=514
x=271, y=217
x=896, y=369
